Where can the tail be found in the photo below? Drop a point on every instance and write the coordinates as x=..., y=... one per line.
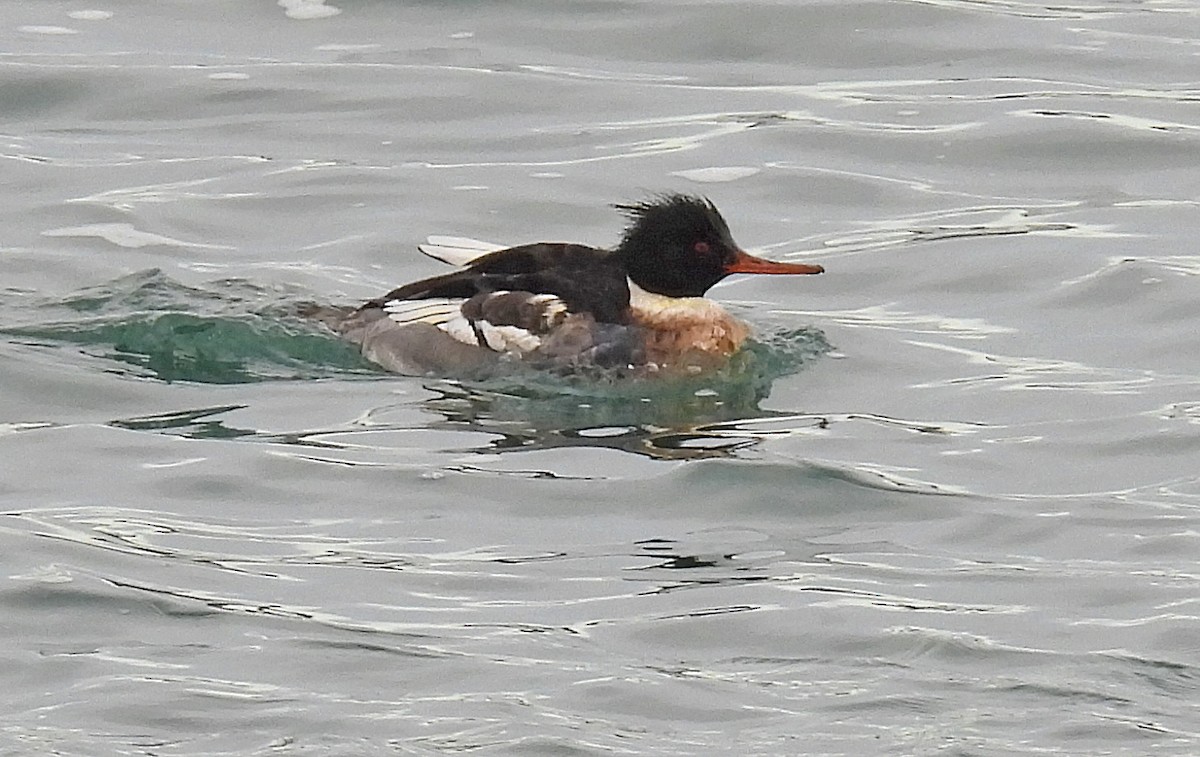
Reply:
x=333, y=317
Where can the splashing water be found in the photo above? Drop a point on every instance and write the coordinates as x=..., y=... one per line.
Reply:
x=231, y=331
x=227, y=333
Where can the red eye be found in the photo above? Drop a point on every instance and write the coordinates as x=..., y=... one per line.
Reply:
x=701, y=248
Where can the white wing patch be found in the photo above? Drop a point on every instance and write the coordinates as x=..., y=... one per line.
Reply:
x=460, y=329
x=553, y=309
x=434, y=310
x=458, y=251
x=508, y=338
x=446, y=314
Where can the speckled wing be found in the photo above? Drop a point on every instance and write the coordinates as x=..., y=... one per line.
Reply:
x=510, y=300
x=503, y=321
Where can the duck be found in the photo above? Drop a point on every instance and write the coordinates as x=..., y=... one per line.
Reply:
x=637, y=308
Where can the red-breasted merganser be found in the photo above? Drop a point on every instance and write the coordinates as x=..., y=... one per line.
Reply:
x=639, y=306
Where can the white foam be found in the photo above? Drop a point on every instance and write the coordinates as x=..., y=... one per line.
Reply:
x=37, y=29
x=337, y=47
x=717, y=174
x=91, y=15
x=306, y=10
x=123, y=235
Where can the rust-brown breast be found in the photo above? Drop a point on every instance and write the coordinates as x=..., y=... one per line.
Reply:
x=688, y=331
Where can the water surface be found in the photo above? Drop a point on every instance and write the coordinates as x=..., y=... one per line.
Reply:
x=947, y=503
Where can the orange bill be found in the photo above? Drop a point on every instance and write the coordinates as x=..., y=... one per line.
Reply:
x=744, y=262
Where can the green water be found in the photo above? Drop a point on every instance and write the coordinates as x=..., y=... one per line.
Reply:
x=226, y=332
x=231, y=331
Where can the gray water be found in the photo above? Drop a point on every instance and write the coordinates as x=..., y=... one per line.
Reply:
x=949, y=503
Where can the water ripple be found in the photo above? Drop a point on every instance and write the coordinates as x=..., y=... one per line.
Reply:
x=1022, y=372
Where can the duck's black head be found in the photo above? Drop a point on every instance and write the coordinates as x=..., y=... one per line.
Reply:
x=679, y=246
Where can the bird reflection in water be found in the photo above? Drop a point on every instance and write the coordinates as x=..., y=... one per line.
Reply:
x=707, y=416
x=704, y=416
x=690, y=426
